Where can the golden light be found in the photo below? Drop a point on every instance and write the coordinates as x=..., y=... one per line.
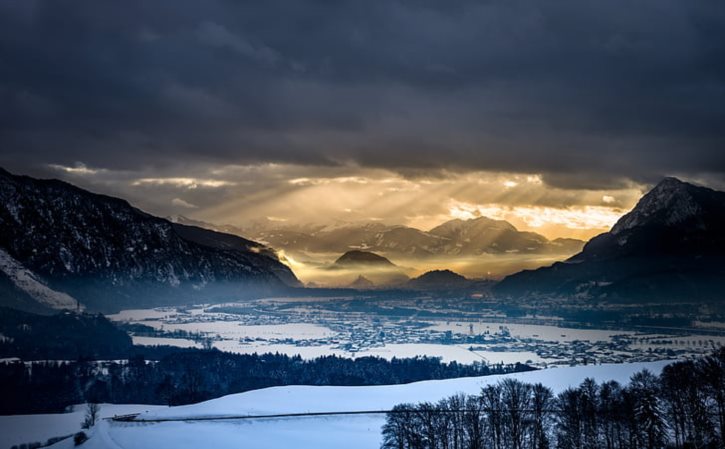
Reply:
x=188, y=183
x=553, y=221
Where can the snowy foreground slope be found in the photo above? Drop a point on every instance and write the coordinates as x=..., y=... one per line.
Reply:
x=19, y=429
x=319, y=432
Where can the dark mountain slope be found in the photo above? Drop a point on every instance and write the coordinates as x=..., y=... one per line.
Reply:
x=671, y=246
x=364, y=258
x=439, y=279
x=234, y=243
x=110, y=255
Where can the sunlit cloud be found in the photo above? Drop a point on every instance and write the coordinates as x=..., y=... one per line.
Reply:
x=303, y=181
x=336, y=180
x=288, y=195
x=185, y=204
x=78, y=169
x=188, y=183
x=579, y=217
x=534, y=179
x=587, y=217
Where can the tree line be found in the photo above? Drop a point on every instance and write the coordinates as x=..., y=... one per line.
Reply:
x=175, y=376
x=683, y=407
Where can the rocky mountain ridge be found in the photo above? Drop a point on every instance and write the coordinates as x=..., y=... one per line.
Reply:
x=109, y=255
x=456, y=237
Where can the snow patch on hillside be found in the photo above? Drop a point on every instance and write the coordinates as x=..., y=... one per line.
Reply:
x=31, y=284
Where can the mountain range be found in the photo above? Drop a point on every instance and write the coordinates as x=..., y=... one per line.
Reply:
x=670, y=247
x=456, y=237
x=64, y=247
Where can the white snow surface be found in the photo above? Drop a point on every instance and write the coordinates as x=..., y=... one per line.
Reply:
x=318, y=432
x=31, y=284
x=161, y=341
x=306, y=399
x=19, y=429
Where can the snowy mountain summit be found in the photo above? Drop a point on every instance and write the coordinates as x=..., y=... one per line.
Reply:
x=669, y=203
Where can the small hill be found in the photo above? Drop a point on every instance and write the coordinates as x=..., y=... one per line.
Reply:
x=362, y=283
x=357, y=257
x=439, y=279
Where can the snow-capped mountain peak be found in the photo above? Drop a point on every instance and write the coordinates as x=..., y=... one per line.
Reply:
x=670, y=202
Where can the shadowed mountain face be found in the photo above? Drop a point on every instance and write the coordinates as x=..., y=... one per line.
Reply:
x=60, y=244
x=439, y=279
x=367, y=268
x=364, y=258
x=671, y=246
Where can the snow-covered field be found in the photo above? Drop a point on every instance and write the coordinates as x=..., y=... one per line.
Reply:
x=163, y=341
x=312, y=340
x=19, y=429
x=234, y=330
x=450, y=353
x=447, y=353
x=531, y=331
x=319, y=432
x=30, y=283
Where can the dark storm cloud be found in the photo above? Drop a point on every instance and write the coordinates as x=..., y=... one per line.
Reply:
x=576, y=90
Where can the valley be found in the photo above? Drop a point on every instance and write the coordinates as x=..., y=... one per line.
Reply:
x=453, y=329
x=362, y=225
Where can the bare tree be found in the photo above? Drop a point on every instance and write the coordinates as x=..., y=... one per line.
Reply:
x=515, y=397
x=542, y=401
x=569, y=425
x=589, y=408
x=610, y=415
x=645, y=388
x=92, y=411
x=473, y=421
x=491, y=398
x=402, y=429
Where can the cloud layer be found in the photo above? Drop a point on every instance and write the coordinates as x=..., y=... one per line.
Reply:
x=588, y=94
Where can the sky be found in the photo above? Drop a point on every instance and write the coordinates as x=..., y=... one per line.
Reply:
x=555, y=116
